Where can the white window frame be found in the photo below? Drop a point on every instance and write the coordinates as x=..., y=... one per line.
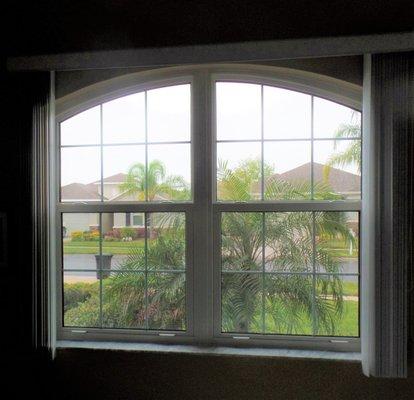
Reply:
x=202, y=214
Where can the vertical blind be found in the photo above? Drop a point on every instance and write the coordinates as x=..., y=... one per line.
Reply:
x=387, y=212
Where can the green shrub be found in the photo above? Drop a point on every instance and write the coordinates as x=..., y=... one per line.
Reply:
x=128, y=232
x=77, y=293
x=92, y=236
x=84, y=314
x=111, y=239
x=76, y=236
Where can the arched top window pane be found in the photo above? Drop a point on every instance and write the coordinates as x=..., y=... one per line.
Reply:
x=333, y=120
x=132, y=149
x=168, y=114
x=83, y=128
x=124, y=119
x=279, y=144
x=286, y=114
x=238, y=111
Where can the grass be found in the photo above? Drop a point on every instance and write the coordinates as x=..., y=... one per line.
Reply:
x=91, y=247
x=350, y=289
x=346, y=324
x=338, y=248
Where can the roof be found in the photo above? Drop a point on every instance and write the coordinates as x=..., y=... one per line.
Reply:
x=339, y=180
x=116, y=179
x=79, y=191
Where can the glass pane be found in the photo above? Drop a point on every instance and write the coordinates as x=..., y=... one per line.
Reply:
x=138, y=220
x=83, y=128
x=241, y=300
x=241, y=241
x=289, y=241
x=337, y=305
x=239, y=171
x=80, y=173
x=80, y=238
x=123, y=245
x=337, y=242
x=123, y=300
x=166, y=241
x=287, y=114
x=80, y=300
x=169, y=172
x=124, y=173
x=332, y=120
x=166, y=301
x=288, y=304
x=124, y=119
x=337, y=169
x=287, y=170
x=169, y=116
x=238, y=111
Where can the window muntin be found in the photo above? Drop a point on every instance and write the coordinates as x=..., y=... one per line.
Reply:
x=255, y=193
x=136, y=148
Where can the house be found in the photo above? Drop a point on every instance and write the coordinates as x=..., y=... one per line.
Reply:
x=342, y=182
x=78, y=192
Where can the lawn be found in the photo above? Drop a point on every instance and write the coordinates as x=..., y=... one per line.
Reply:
x=338, y=248
x=91, y=247
x=346, y=324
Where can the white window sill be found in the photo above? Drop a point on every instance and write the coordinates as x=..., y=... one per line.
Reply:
x=214, y=350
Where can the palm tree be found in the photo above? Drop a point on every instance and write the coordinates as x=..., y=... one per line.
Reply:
x=295, y=302
x=137, y=295
x=352, y=154
x=135, y=298
x=155, y=182
x=286, y=299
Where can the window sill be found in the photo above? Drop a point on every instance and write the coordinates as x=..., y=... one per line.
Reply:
x=213, y=350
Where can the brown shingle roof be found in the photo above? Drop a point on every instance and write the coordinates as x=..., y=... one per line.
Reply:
x=339, y=180
x=79, y=191
x=117, y=178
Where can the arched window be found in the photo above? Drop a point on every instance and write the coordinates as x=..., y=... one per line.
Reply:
x=211, y=204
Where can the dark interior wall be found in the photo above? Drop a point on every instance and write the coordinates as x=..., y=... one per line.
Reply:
x=19, y=93
x=90, y=374
x=344, y=68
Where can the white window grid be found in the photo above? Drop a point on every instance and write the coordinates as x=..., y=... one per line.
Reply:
x=203, y=308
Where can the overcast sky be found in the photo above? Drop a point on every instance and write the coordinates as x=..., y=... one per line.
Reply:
x=286, y=115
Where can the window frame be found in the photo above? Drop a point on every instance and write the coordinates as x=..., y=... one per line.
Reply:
x=203, y=244
x=60, y=208
x=255, y=339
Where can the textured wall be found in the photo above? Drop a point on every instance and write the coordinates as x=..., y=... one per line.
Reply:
x=344, y=68
x=90, y=374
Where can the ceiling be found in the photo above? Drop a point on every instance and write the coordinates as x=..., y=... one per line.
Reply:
x=60, y=26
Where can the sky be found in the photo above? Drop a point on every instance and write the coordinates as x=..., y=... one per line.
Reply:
x=165, y=115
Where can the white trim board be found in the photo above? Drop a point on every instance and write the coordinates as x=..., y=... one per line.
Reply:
x=227, y=52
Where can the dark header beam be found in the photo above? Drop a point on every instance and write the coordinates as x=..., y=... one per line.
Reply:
x=230, y=52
